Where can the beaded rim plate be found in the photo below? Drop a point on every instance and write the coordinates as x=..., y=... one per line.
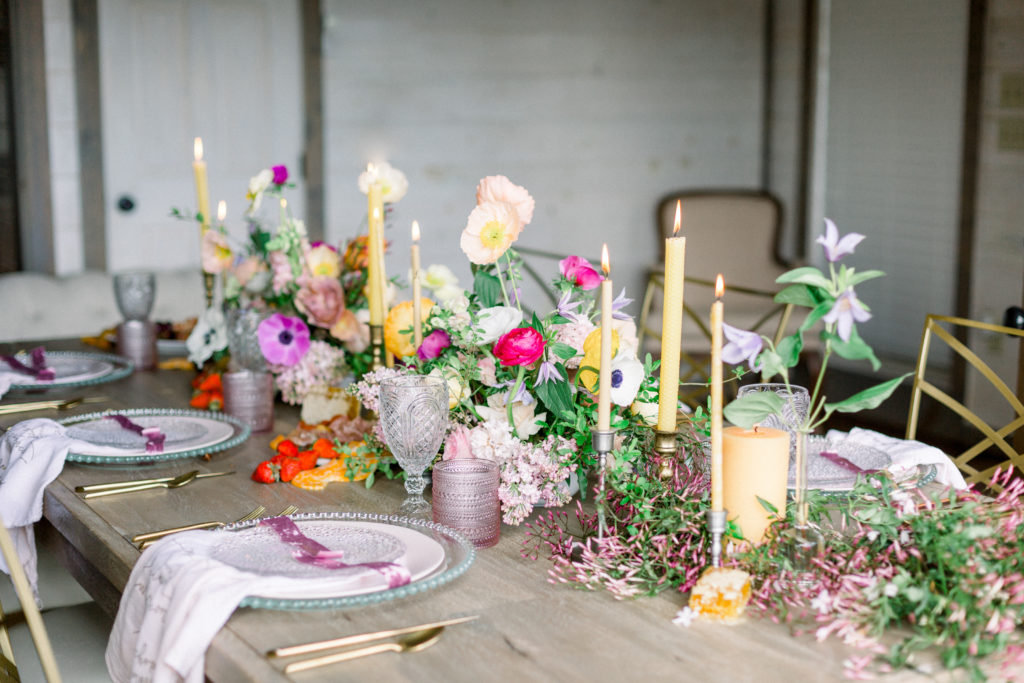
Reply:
x=825, y=475
x=109, y=369
x=238, y=433
x=459, y=554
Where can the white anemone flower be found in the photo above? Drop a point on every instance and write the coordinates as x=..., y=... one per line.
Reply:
x=208, y=336
x=627, y=374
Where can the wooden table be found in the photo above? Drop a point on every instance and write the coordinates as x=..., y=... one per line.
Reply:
x=529, y=629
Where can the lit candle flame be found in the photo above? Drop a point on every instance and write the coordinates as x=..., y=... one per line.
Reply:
x=606, y=266
x=284, y=204
x=222, y=210
x=719, y=286
x=415, y=231
x=376, y=213
x=679, y=218
x=371, y=169
x=197, y=149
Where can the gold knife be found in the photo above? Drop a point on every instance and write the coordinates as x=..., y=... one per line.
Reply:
x=12, y=408
x=293, y=650
x=141, y=482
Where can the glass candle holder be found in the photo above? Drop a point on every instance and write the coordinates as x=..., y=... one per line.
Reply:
x=465, y=498
x=249, y=396
x=136, y=341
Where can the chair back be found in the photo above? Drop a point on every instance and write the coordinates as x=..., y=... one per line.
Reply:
x=8, y=669
x=979, y=462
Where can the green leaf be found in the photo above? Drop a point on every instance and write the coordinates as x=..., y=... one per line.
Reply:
x=563, y=351
x=753, y=408
x=487, y=288
x=857, y=278
x=771, y=364
x=867, y=399
x=853, y=349
x=789, y=349
x=808, y=275
x=556, y=396
x=819, y=312
x=799, y=295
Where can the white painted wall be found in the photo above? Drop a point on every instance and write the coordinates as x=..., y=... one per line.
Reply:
x=597, y=108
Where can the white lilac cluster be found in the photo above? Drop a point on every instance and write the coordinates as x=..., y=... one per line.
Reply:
x=322, y=366
x=367, y=388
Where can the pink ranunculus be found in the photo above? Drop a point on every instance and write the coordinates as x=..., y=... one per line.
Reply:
x=280, y=174
x=283, y=339
x=488, y=371
x=456, y=445
x=521, y=346
x=433, y=344
x=580, y=272
x=498, y=188
x=321, y=299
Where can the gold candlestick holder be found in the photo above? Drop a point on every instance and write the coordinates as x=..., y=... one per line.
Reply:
x=665, y=449
x=377, y=346
x=208, y=284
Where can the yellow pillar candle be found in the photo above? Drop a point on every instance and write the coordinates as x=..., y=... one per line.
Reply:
x=716, y=395
x=604, y=393
x=202, y=186
x=755, y=464
x=671, y=327
x=417, y=308
x=375, y=245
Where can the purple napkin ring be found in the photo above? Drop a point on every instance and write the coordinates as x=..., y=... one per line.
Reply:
x=154, y=437
x=39, y=369
x=308, y=551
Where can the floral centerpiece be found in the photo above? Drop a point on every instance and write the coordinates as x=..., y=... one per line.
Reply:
x=522, y=384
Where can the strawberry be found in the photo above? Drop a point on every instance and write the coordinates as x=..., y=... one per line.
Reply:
x=210, y=382
x=324, y=448
x=289, y=468
x=278, y=459
x=265, y=473
x=288, y=448
x=307, y=459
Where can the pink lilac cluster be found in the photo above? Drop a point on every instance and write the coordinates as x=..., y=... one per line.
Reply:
x=366, y=389
x=322, y=365
x=573, y=334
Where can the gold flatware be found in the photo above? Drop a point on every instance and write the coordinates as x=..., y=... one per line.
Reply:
x=61, y=404
x=414, y=642
x=290, y=510
x=175, y=483
x=139, y=482
x=153, y=535
x=360, y=638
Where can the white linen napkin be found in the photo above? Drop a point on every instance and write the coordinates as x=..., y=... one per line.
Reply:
x=178, y=597
x=32, y=454
x=905, y=454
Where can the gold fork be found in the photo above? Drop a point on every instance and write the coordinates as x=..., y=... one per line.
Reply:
x=290, y=510
x=151, y=536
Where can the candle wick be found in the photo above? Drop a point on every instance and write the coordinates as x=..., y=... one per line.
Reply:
x=756, y=426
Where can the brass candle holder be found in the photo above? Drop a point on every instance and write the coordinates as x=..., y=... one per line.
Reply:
x=377, y=346
x=665, y=449
x=603, y=441
x=208, y=285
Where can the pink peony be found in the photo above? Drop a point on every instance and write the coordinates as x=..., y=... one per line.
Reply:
x=456, y=445
x=498, y=188
x=433, y=344
x=321, y=299
x=283, y=340
x=578, y=271
x=521, y=346
x=280, y=174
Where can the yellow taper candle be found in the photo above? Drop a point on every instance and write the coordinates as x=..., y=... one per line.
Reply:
x=716, y=395
x=671, y=327
x=202, y=186
x=375, y=247
x=417, y=308
x=755, y=464
x=604, y=392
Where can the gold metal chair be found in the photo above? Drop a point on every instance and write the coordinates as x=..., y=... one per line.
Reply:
x=976, y=462
x=8, y=669
x=736, y=233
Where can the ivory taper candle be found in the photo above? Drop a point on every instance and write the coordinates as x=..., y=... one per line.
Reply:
x=716, y=395
x=604, y=393
x=417, y=308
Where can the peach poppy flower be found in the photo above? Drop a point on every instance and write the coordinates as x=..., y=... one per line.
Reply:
x=498, y=188
x=491, y=229
x=215, y=252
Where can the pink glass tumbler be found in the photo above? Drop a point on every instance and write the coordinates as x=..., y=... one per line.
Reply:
x=465, y=498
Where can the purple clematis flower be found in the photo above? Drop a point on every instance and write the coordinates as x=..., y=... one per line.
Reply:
x=742, y=346
x=433, y=344
x=845, y=311
x=547, y=373
x=618, y=304
x=280, y=174
x=283, y=340
x=836, y=248
x=567, y=308
x=522, y=396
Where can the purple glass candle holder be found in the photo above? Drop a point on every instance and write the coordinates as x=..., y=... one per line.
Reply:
x=465, y=498
x=249, y=396
x=136, y=341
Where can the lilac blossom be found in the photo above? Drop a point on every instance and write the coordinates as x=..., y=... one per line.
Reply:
x=836, y=248
x=547, y=373
x=742, y=346
x=845, y=311
x=618, y=304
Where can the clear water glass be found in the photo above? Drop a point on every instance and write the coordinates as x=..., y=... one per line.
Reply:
x=135, y=293
x=465, y=498
x=414, y=418
x=243, y=342
x=797, y=403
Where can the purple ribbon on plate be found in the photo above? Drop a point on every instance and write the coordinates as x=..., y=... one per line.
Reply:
x=845, y=463
x=154, y=437
x=308, y=551
x=39, y=369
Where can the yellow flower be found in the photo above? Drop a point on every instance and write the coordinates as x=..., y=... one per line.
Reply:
x=491, y=229
x=457, y=389
x=323, y=260
x=400, y=318
x=592, y=358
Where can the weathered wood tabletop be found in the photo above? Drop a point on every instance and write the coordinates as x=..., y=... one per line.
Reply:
x=529, y=629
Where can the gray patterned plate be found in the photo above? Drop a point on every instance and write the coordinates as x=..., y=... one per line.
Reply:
x=79, y=368
x=828, y=476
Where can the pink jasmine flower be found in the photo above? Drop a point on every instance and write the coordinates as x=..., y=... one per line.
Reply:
x=580, y=272
x=834, y=247
x=280, y=174
x=283, y=340
x=742, y=346
x=684, y=617
x=822, y=603
x=433, y=344
x=845, y=311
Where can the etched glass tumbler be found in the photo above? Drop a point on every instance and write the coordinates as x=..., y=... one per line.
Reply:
x=414, y=418
x=794, y=410
x=135, y=293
